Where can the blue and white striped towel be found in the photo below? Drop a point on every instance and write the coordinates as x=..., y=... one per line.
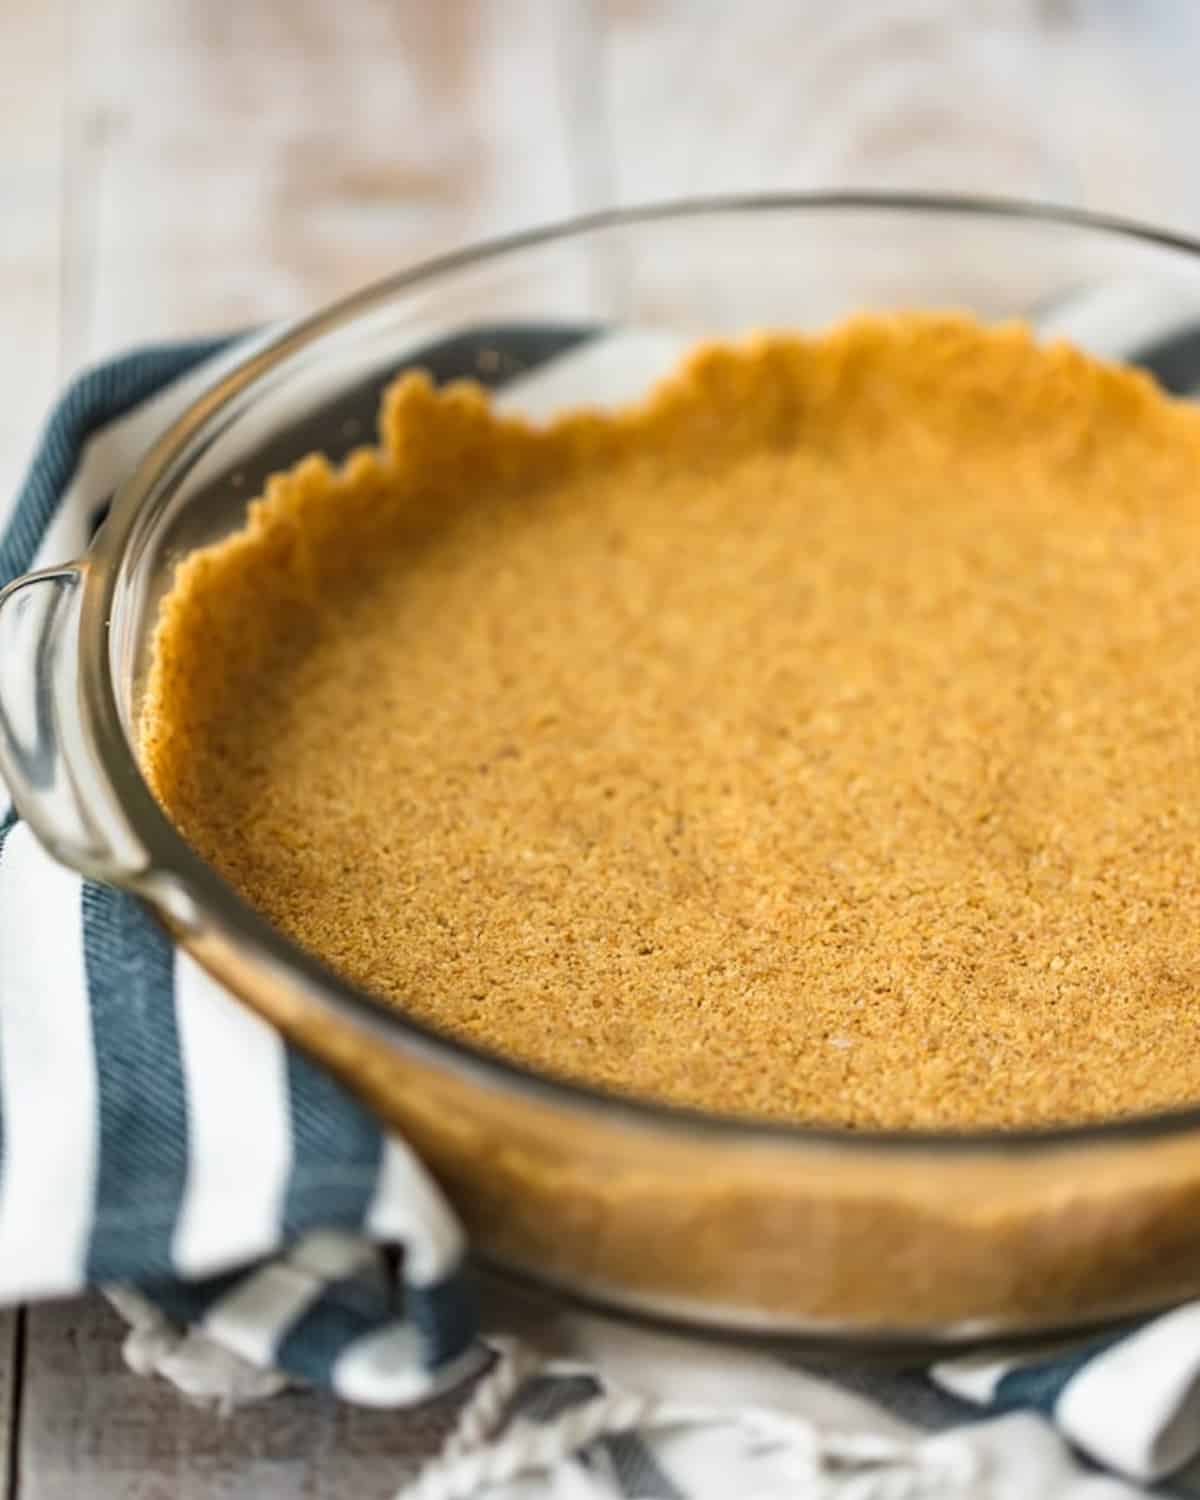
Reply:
x=156, y=1136
x=154, y=1131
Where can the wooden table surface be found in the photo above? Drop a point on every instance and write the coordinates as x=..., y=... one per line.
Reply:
x=176, y=166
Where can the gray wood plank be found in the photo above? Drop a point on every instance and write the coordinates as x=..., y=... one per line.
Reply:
x=9, y=1385
x=92, y=1428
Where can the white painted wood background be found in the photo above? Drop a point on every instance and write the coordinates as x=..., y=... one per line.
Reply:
x=178, y=166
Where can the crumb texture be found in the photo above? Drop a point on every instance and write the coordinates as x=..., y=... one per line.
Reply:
x=815, y=740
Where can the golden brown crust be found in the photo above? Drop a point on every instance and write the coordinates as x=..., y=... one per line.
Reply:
x=812, y=740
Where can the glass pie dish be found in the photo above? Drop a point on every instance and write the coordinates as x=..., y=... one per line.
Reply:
x=756, y=1229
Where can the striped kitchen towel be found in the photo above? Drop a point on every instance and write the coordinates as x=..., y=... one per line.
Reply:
x=161, y=1141
x=152, y=1130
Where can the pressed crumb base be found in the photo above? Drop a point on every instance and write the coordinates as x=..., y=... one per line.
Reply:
x=816, y=740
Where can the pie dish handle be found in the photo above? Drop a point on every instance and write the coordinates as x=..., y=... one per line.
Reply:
x=46, y=761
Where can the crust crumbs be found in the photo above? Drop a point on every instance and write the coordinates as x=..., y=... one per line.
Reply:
x=815, y=739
